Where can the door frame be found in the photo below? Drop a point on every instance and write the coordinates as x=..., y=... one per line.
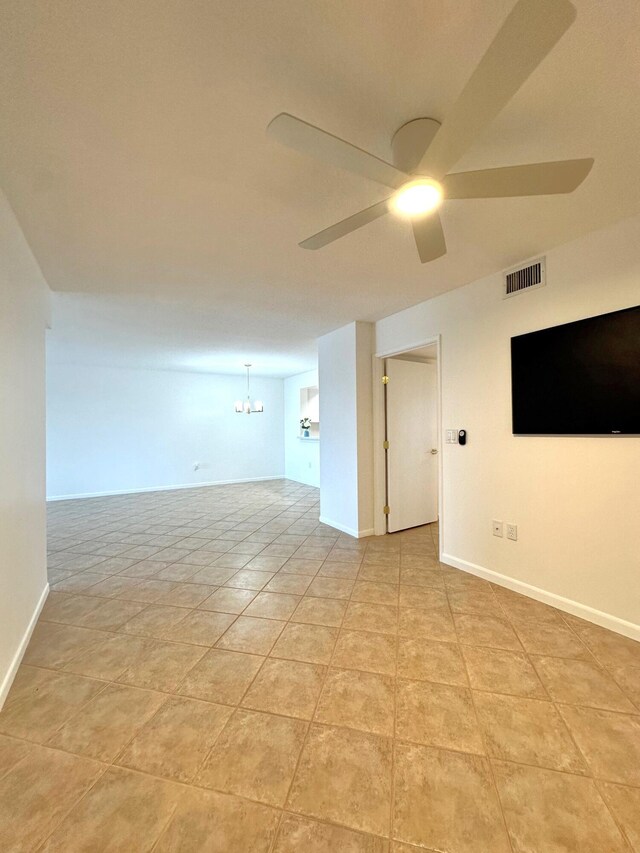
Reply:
x=379, y=476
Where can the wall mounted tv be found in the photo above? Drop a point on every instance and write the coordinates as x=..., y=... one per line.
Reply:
x=582, y=378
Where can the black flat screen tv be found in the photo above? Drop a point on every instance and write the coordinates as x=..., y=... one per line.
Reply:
x=581, y=378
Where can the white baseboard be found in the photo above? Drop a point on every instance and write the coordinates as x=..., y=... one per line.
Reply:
x=568, y=605
x=350, y=531
x=163, y=488
x=7, y=680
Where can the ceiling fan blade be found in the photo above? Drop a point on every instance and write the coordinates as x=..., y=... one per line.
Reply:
x=351, y=223
x=529, y=33
x=429, y=237
x=560, y=176
x=308, y=139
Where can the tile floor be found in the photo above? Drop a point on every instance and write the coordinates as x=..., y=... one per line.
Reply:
x=215, y=671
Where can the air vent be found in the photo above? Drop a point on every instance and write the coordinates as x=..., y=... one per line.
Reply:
x=524, y=278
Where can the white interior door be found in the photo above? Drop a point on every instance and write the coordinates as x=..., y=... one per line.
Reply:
x=412, y=433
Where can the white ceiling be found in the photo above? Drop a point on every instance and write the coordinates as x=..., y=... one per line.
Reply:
x=133, y=150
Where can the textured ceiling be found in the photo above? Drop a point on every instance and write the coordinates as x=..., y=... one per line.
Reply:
x=133, y=151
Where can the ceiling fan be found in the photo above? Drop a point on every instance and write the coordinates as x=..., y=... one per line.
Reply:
x=424, y=150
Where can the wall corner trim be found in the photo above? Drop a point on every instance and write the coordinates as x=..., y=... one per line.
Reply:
x=52, y=498
x=575, y=608
x=7, y=679
x=350, y=531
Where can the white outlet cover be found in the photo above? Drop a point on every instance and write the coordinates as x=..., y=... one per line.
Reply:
x=497, y=527
x=512, y=532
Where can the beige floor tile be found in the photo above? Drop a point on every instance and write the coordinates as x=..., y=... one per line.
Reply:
x=500, y=671
x=294, y=566
x=446, y=801
x=362, y=616
x=286, y=687
x=375, y=593
x=149, y=590
x=124, y=811
x=530, y=731
x=36, y=794
x=575, y=817
x=482, y=602
x=344, y=776
x=111, y=614
x=367, y=651
x=358, y=700
x=432, y=624
x=320, y=611
x=610, y=649
x=40, y=701
x=578, y=682
x=221, y=676
x=53, y=645
x=425, y=660
x=493, y=631
x=437, y=715
x=427, y=598
x=273, y=605
x=255, y=757
x=102, y=727
x=301, y=834
x=344, y=571
x=154, y=621
x=226, y=600
x=12, y=751
x=213, y=575
x=186, y=594
x=67, y=608
x=609, y=741
x=161, y=665
x=628, y=677
x=144, y=569
x=115, y=587
x=555, y=640
x=287, y=583
x=266, y=563
x=310, y=643
x=200, y=627
x=520, y=609
x=232, y=561
x=329, y=587
x=625, y=804
x=379, y=574
x=219, y=823
x=109, y=658
x=248, y=579
x=81, y=582
x=251, y=635
x=176, y=741
x=425, y=577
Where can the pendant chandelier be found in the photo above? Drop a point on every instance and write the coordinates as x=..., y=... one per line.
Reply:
x=244, y=406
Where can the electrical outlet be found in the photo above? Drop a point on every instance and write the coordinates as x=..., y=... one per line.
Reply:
x=497, y=528
x=512, y=532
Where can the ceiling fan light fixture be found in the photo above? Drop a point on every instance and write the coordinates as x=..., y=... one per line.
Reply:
x=417, y=198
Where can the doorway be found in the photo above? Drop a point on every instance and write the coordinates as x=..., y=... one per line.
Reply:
x=407, y=458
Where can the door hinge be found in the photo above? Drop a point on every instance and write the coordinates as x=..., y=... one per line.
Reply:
x=385, y=380
x=386, y=510
x=385, y=444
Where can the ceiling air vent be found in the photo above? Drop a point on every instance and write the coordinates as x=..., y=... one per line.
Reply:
x=524, y=278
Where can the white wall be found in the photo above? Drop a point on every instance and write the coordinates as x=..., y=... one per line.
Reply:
x=576, y=501
x=113, y=429
x=346, y=460
x=301, y=457
x=24, y=310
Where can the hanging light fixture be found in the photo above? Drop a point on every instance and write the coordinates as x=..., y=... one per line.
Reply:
x=244, y=406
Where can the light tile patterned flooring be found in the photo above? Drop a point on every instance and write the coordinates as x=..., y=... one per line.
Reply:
x=216, y=671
